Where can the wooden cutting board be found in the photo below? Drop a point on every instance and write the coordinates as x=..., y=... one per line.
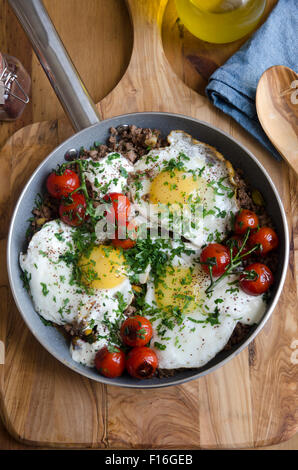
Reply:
x=251, y=401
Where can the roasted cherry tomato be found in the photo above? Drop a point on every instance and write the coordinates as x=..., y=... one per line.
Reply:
x=245, y=219
x=235, y=242
x=72, y=212
x=131, y=234
x=136, y=331
x=120, y=209
x=60, y=186
x=141, y=362
x=256, y=279
x=110, y=363
x=217, y=256
x=267, y=239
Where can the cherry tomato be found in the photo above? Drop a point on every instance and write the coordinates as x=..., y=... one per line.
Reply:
x=217, y=256
x=120, y=207
x=266, y=237
x=60, y=186
x=236, y=242
x=258, y=282
x=136, y=331
x=110, y=363
x=73, y=213
x=130, y=241
x=141, y=362
x=245, y=219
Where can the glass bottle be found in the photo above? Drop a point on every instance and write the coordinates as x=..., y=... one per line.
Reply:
x=220, y=21
x=15, y=84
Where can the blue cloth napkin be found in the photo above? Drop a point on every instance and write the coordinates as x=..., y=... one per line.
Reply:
x=232, y=87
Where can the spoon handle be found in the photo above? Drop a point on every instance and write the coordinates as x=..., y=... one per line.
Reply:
x=277, y=108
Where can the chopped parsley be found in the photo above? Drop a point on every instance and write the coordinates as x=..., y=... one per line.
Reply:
x=45, y=322
x=123, y=172
x=213, y=317
x=59, y=236
x=220, y=214
x=26, y=278
x=113, y=156
x=45, y=290
x=220, y=189
x=151, y=158
x=158, y=253
x=207, y=212
x=176, y=164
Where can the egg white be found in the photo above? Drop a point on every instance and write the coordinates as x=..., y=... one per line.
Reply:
x=109, y=174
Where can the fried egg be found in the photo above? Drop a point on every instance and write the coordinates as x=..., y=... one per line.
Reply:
x=187, y=187
x=109, y=174
x=191, y=327
x=57, y=298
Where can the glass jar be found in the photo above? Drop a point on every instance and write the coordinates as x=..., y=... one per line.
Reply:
x=220, y=21
x=15, y=84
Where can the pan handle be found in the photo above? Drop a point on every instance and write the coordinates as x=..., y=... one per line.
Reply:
x=56, y=63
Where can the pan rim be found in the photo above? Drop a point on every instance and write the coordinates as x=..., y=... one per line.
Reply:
x=196, y=375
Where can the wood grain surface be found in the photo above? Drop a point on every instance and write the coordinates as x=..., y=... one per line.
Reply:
x=276, y=102
x=252, y=400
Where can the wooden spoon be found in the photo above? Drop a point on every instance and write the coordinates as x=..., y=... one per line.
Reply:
x=277, y=108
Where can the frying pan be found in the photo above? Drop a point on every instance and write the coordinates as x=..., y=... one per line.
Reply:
x=85, y=120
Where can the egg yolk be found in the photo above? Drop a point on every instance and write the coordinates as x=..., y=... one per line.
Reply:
x=104, y=268
x=176, y=187
x=172, y=187
x=176, y=289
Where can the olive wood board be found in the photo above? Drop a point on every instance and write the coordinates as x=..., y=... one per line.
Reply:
x=251, y=401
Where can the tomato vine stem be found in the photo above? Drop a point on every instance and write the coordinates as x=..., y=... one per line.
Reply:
x=235, y=262
x=82, y=187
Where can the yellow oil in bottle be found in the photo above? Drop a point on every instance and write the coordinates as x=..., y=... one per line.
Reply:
x=220, y=21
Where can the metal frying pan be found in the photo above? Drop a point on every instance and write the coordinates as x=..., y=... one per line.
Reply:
x=83, y=115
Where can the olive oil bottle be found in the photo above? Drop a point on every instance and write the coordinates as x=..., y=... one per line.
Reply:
x=220, y=21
